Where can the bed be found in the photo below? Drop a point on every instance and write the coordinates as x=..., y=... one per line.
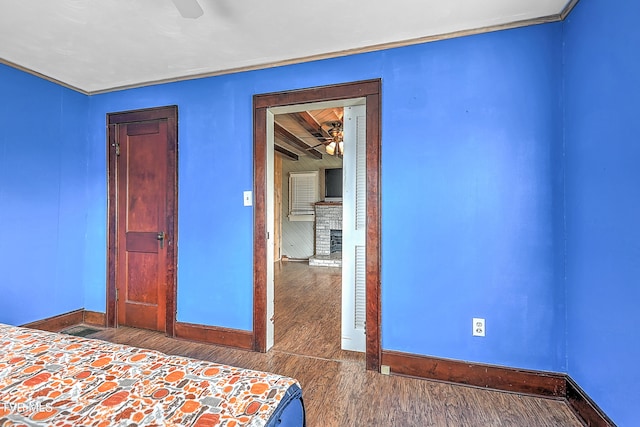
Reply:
x=50, y=379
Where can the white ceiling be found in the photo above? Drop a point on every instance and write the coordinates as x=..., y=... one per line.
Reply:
x=99, y=45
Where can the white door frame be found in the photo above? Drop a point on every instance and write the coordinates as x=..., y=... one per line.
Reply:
x=270, y=205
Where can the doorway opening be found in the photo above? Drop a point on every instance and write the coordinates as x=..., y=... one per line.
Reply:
x=367, y=92
x=308, y=212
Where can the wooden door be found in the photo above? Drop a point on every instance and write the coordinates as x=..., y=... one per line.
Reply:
x=142, y=170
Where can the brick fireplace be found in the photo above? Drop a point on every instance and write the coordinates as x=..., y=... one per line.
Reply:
x=328, y=232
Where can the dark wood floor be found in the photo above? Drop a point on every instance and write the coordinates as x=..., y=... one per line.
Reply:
x=338, y=391
x=307, y=311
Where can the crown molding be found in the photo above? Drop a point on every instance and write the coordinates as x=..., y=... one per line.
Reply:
x=299, y=60
x=42, y=76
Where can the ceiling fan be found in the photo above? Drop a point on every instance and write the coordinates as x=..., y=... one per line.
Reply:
x=334, y=144
x=189, y=8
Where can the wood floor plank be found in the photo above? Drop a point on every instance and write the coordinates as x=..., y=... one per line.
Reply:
x=308, y=303
x=337, y=389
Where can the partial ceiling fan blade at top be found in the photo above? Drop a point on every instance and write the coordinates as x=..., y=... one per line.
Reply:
x=189, y=8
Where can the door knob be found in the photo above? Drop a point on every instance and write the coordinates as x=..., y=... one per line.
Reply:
x=160, y=236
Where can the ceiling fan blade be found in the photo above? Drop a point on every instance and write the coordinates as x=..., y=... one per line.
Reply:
x=189, y=8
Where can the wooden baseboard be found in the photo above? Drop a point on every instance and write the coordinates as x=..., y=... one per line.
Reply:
x=585, y=408
x=215, y=335
x=189, y=331
x=95, y=318
x=536, y=383
x=58, y=323
x=522, y=381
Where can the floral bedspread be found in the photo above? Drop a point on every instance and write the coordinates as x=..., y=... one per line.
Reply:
x=49, y=379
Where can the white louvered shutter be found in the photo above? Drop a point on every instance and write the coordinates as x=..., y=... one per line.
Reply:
x=303, y=195
x=354, y=230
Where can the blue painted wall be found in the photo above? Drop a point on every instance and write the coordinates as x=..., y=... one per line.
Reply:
x=471, y=130
x=505, y=156
x=471, y=134
x=43, y=197
x=602, y=41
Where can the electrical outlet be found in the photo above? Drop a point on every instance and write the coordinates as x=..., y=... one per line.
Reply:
x=479, y=327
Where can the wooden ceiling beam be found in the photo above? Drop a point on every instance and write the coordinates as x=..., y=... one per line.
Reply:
x=288, y=154
x=310, y=124
x=294, y=141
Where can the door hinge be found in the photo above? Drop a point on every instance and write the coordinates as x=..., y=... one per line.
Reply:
x=117, y=296
x=117, y=147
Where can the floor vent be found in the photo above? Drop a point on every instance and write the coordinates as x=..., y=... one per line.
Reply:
x=81, y=331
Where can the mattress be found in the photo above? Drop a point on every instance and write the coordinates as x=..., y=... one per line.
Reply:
x=49, y=379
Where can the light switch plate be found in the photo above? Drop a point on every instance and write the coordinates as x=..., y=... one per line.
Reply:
x=248, y=198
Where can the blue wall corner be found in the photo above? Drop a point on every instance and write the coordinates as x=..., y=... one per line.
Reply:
x=602, y=88
x=43, y=197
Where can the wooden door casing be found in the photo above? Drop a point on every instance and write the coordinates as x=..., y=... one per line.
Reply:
x=141, y=288
x=371, y=90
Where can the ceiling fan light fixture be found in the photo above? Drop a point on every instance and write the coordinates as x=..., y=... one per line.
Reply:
x=331, y=148
x=336, y=146
x=336, y=131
